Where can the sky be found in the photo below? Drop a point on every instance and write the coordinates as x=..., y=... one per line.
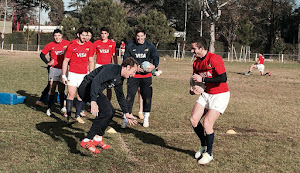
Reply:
x=44, y=15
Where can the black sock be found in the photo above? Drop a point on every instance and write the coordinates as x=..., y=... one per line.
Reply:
x=83, y=107
x=210, y=141
x=79, y=105
x=199, y=130
x=61, y=100
x=50, y=101
x=249, y=72
x=69, y=105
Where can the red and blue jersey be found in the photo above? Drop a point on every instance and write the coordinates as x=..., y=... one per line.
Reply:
x=211, y=66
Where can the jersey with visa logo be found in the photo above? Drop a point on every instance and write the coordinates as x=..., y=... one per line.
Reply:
x=56, y=52
x=211, y=66
x=123, y=46
x=261, y=60
x=104, y=51
x=141, y=53
x=79, y=57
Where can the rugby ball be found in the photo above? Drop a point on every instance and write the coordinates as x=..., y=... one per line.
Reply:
x=145, y=65
x=198, y=85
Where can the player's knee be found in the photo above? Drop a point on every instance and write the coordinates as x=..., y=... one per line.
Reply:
x=193, y=122
x=208, y=126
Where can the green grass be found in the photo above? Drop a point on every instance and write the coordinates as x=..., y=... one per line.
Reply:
x=263, y=110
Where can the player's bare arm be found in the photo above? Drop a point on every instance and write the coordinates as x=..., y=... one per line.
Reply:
x=91, y=63
x=64, y=70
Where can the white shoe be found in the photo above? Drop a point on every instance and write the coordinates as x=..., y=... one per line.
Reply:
x=146, y=124
x=200, y=152
x=247, y=74
x=48, y=112
x=124, y=124
x=206, y=158
x=63, y=110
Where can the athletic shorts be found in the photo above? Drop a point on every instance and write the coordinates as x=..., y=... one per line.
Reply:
x=260, y=67
x=55, y=74
x=122, y=50
x=75, y=79
x=98, y=65
x=217, y=102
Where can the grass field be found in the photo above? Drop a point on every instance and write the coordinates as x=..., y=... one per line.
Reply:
x=263, y=110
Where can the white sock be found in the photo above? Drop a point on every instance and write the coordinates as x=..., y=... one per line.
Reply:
x=98, y=138
x=146, y=116
x=86, y=140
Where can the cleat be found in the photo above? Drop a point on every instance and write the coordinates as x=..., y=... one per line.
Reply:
x=89, y=146
x=39, y=103
x=78, y=119
x=48, y=112
x=141, y=115
x=247, y=74
x=206, y=158
x=101, y=144
x=83, y=114
x=63, y=110
x=200, y=152
x=146, y=124
x=124, y=124
x=269, y=74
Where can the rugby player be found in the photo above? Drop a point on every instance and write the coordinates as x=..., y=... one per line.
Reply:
x=106, y=76
x=80, y=56
x=56, y=49
x=207, y=68
x=259, y=65
x=105, y=51
x=141, y=50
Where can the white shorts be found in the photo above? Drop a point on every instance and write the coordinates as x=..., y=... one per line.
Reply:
x=55, y=74
x=217, y=102
x=260, y=67
x=97, y=65
x=75, y=79
x=122, y=50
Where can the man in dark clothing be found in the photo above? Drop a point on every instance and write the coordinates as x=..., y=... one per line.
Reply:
x=141, y=50
x=91, y=89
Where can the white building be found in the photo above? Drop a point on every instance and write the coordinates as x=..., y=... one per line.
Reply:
x=44, y=29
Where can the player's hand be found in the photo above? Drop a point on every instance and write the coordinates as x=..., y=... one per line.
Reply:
x=131, y=119
x=51, y=62
x=195, y=90
x=197, y=78
x=94, y=108
x=64, y=79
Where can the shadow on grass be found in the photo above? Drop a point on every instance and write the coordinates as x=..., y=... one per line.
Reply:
x=60, y=130
x=240, y=73
x=30, y=101
x=146, y=137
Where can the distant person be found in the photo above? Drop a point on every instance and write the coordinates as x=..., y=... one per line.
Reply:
x=56, y=49
x=80, y=56
x=259, y=65
x=91, y=89
x=141, y=50
x=105, y=51
x=209, y=69
x=122, y=47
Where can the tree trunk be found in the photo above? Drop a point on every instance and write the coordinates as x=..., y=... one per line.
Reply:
x=212, y=37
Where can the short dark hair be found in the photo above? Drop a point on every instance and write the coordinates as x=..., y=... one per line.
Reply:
x=139, y=29
x=129, y=61
x=104, y=29
x=57, y=31
x=81, y=30
x=89, y=30
x=200, y=42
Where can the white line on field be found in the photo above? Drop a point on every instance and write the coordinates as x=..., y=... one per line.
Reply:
x=7, y=131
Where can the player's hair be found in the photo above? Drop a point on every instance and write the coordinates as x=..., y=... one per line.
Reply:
x=57, y=31
x=139, y=29
x=81, y=30
x=129, y=61
x=89, y=30
x=104, y=29
x=200, y=42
